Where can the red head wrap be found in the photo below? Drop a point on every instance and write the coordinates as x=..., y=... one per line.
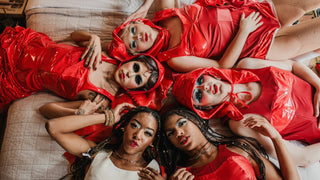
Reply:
x=161, y=71
x=184, y=85
x=117, y=48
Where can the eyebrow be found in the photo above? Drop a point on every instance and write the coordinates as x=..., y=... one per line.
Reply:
x=140, y=124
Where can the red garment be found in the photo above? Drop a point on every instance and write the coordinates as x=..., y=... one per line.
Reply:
x=210, y=26
x=227, y=166
x=285, y=100
x=31, y=61
x=187, y=81
x=117, y=49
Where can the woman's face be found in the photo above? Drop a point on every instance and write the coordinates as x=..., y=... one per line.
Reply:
x=139, y=133
x=138, y=37
x=209, y=91
x=132, y=75
x=182, y=133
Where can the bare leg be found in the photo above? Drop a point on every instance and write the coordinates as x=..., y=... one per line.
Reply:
x=303, y=156
x=295, y=40
x=289, y=11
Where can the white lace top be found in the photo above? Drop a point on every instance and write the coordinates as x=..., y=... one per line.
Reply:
x=103, y=168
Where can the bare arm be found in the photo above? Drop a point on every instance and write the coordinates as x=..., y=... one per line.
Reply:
x=287, y=165
x=81, y=107
x=61, y=129
x=231, y=55
x=93, y=44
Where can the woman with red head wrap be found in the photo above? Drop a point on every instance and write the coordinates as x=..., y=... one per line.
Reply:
x=31, y=62
x=277, y=95
x=210, y=30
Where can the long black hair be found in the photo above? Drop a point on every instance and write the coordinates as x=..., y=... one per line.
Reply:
x=113, y=142
x=171, y=157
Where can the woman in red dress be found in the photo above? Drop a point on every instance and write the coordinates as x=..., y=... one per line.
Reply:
x=288, y=102
x=194, y=36
x=31, y=62
x=201, y=153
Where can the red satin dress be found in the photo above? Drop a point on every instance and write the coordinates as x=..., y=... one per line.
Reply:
x=227, y=166
x=31, y=61
x=287, y=102
x=209, y=27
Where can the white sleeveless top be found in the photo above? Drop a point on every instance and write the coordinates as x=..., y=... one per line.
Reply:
x=103, y=168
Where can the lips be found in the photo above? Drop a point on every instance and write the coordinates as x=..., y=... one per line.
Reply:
x=146, y=36
x=122, y=75
x=133, y=144
x=184, y=140
x=214, y=89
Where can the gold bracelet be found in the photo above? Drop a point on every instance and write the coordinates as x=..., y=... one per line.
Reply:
x=106, y=117
x=112, y=120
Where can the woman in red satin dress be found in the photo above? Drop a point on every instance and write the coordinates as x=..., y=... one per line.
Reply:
x=288, y=102
x=194, y=36
x=203, y=154
x=31, y=62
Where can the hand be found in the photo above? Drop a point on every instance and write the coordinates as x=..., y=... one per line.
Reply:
x=182, y=174
x=90, y=107
x=261, y=125
x=117, y=111
x=250, y=23
x=150, y=174
x=92, y=54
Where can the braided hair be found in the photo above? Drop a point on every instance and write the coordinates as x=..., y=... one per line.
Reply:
x=113, y=142
x=178, y=158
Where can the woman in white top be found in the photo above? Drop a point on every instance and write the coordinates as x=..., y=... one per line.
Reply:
x=129, y=153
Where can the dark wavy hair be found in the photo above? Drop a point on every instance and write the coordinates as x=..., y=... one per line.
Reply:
x=112, y=143
x=152, y=67
x=179, y=158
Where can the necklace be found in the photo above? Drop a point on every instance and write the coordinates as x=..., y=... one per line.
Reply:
x=203, y=150
x=109, y=81
x=118, y=156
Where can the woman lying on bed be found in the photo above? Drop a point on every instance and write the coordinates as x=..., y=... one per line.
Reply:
x=31, y=62
x=198, y=152
x=208, y=33
x=130, y=148
x=289, y=103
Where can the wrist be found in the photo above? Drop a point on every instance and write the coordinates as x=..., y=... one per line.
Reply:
x=80, y=112
x=109, y=117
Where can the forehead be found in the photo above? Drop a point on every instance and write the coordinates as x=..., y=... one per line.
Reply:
x=172, y=119
x=146, y=120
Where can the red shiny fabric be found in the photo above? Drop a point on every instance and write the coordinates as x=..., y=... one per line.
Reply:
x=183, y=90
x=287, y=102
x=152, y=99
x=227, y=166
x=31, y=61
x=209, y=27
x=117, y=48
